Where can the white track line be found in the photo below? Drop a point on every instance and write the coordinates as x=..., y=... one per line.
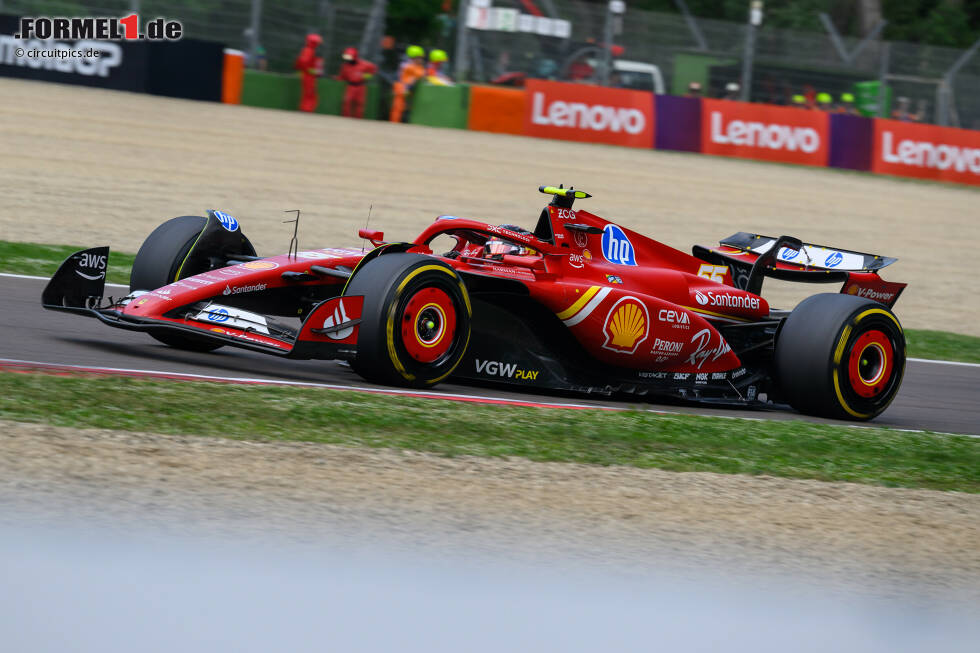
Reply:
x=929, y=360
x=429, y=395
x=28, y=276
x=119, y=285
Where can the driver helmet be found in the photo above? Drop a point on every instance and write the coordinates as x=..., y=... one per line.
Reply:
x=496, y=248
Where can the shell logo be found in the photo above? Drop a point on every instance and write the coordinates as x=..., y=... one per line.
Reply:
x=260, y=265
x=853, y=290
x=627, y=325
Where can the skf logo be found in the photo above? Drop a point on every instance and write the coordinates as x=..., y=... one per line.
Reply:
x=616, y=247
x=506, y=370
x=627, y=325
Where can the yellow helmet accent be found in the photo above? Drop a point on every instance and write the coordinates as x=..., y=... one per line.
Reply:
x=824, y=98
x=414, y=51
x=799, y=99
x=436, y=56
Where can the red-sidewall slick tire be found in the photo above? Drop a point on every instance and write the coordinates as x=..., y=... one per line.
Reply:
x=840, y=356
x=415, y=325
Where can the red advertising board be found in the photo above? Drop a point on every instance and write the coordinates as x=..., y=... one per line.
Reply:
x=765, y=131
x=926, y=151
x=593, y=114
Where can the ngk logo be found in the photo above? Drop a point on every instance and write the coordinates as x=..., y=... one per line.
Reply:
x=761, y=131
x=581, y=112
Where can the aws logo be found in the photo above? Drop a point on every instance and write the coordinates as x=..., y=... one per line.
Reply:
x=627, y=325
x=616, y=247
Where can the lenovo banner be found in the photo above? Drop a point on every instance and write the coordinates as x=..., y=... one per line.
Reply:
x=926, y=151
x=593, y=114
x=763, y=131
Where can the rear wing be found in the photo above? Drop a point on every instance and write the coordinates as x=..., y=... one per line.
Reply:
x=752, y=257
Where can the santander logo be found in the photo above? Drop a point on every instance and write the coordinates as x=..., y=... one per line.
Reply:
x=597, y=117
x=772, y=136
x=924, y=154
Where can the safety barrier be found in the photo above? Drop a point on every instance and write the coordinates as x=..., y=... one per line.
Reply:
x=281, y=91
x=582, y=112
x=440, y=106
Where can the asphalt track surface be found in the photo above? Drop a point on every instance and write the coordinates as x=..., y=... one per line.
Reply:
x=935, y=396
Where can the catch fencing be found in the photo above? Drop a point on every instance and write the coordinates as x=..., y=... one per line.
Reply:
x=278, y=27
x=785, y=62
x=942, y=84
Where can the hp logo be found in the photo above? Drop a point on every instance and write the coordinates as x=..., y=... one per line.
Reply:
x=219, y=315
x=833, y=260
x=616, y=247
x=227, y=221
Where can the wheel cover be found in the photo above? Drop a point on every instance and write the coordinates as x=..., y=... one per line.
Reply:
x=870, y=363
x=428, y=325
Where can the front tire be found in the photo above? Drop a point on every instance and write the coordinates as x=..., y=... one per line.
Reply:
x=415, y=325
x=164, y=258
x=840, y=356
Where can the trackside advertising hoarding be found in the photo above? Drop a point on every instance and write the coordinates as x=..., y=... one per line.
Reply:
x=926, y=151
x=764, y=131
x=592, y=114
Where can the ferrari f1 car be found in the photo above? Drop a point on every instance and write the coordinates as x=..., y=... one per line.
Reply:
x=578, y=304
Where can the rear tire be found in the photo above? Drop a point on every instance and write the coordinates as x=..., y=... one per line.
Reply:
x=159, y=261
x=415, y=325
x=840, y=356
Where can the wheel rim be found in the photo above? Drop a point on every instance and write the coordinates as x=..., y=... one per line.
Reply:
x=428, y=325
x=870, y=363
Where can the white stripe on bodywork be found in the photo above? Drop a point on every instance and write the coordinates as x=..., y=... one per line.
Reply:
x=588, y=308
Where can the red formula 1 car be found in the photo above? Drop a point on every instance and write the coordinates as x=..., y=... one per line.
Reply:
x=578, y=304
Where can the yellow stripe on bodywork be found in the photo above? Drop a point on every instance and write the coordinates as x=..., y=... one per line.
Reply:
x=703, y=311
x=579, y=303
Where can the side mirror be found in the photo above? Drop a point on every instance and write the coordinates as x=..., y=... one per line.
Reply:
x=376, y=237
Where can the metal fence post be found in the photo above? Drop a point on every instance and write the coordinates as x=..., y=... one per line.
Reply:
x=607, y=37
x=886, y=51
x=373, y=29
x=947, y=84
x=461, y=49
x=755, y=19
x=256, y=19
x=692, y=25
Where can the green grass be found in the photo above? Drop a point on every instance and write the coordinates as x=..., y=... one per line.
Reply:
x=943, y=346
x=789, y=449
x=43, y=260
